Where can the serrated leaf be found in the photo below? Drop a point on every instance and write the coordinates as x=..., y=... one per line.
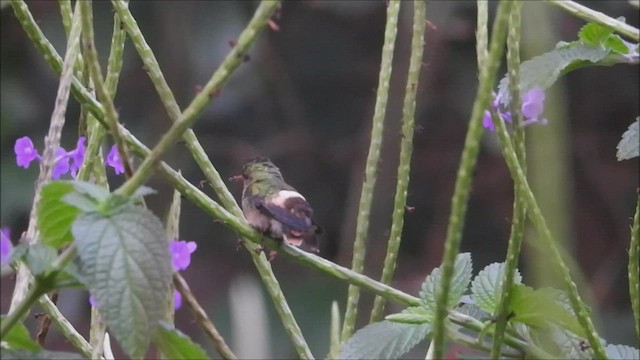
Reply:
x=487, y=286
x=539, y=307
x=18, y=338
x=126, y=262
x=176, y=345
x=55, y=215
x=20, y=354
x=571, y=346
x=594, y=34
x=39, y=259
x=96, y=192
x=412, y=315
x=629, y=146
x=543, y=70
x=383, y=340
x=459, y=283
x=616, y=44
x=622, y=352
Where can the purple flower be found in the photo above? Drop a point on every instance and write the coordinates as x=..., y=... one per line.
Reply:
x=532, y=108
x=62, y=163
x=77, y=156
x=25, y=152
x=181, y=253
x=5, y=245
x=177, y=300
x=92, y=301
x=113, y=160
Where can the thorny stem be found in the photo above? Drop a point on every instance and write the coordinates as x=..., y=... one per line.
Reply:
x=371, y=167
x=519, y=210
x=52, y=143
x=406, y=149
x=538, y=220
x=201, y=317
x=465, y=171
x=634, y=268
x=587, y=14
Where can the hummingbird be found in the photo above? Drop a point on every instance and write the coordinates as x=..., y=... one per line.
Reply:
x=274, y=207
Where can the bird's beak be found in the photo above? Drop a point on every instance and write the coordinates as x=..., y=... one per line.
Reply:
x=236, y=178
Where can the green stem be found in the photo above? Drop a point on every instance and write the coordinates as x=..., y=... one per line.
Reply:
x=201, y=318
x=371, y=167
x=465, y=171
x=519, y=211
x=20, y=310
x=52, y=143
x=588, y=14
x=219, y=78
x=406, y=149
x=634, y=268
x=482, y=33
x=539, y=222
x=98, y=82
x=334, y=334
x=69, y=332
x=199, y=103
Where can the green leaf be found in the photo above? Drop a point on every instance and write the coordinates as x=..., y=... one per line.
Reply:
x=93, y=191
x=176, y=345
x=543, y=70
x=55, y=215
x=126, y=262
x=20, y=354
x=594, y=34
x=18, y=338
x=142, y=191
x=39, y=259
x=412, y=315
x=459, y=284
x=487, y=286
x=539, y=308
x=622, y=352
x=383, y=340
x=629, y=146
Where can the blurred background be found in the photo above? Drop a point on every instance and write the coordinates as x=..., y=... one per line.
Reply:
x=304, y=97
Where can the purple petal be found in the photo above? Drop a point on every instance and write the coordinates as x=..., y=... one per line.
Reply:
x=77, y=155
x=5, y=245
x=486, y=121
x=113, y=160
x=181, y=253
x=62, y=163
x=533, y=103
x=177, y=300
x=25, y=152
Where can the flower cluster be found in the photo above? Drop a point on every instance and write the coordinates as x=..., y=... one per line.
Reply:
x=5, y=246
x=180, y=259
x=532, y=108
x=65, y=161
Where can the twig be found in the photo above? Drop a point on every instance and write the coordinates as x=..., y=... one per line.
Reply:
x=201, y=317
x=406, y=149
x=465, y=171
x=45, y=323
x=52, y=143
x=588, y=14
x=371, y=167
x=519, y=210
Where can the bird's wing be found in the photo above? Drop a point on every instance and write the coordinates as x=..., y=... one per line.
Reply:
x=293, y=212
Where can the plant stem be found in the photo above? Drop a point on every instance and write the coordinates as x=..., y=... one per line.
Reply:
x=519, y=210
x=21, y=309
x=191, y=113
x=52, y=143
x=538, y=220
x=69, y=332
x=634, y=268
x=98, y=82
x=406, y=149
x=201, y=318
x=465, y=171
x=588, y=14
x=334, y=334
x=371, y=167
